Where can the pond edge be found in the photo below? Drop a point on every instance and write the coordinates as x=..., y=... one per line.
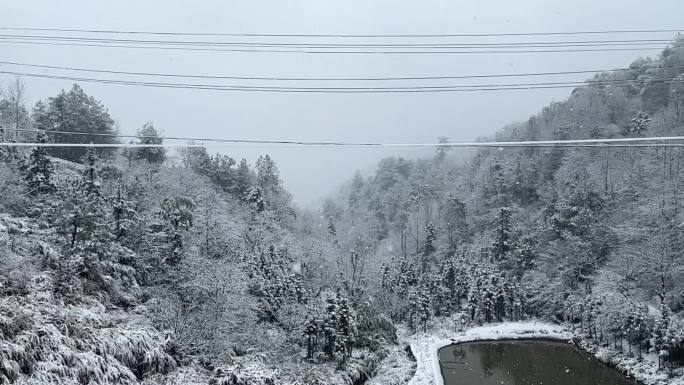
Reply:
x=492, y=332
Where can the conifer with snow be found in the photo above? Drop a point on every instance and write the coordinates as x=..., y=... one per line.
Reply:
x=39, y=169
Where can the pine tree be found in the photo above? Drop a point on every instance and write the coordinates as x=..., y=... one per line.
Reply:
x=243, y=180
x=523, y=253
x=39, y=170
x=430, y=238
x=424, y=306
x=503, y=234
x=340, y=327
x=356, y=190
x=454, y=219
x=177, y=213
x=330, y=326
x=312, y=327
x=89, y=182
x=268, y=177
x=348, y=327
x=150, y=136
x=636, y=327
x=639, y=124
x=255, y=198
x=82, y=215
x=124, y=213
x=331, y=228
x=660, y=341
x=75, y=111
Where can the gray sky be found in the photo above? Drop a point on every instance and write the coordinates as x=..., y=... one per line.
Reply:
x=312, y=173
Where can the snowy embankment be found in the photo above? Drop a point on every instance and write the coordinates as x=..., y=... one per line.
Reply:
x=645, y=369
x=426, y=346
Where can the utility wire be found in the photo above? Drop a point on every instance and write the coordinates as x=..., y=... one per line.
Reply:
x=177, y=33
x=320, y=51
x=192, y=139
x=575, y=43
x=642, y=142
x=278, y=78
x=405, y=89
x=396, y=145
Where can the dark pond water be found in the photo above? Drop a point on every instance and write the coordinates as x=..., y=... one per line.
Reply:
x=524, y=362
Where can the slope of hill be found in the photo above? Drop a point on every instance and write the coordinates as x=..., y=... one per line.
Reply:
x=592, y=235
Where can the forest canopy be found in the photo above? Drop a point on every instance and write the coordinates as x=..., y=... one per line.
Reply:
x=127, y=267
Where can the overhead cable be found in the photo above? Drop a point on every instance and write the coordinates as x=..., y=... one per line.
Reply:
x=341, y=35
x=377, y=78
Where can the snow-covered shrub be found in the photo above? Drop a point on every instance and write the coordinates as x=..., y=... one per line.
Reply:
x=139, y=349
x=12, y=190
x=44, y=341
x=248, y=371
x=375, y=329
x=95, y=268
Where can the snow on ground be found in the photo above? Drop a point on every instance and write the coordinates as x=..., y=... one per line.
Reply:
x=425, y=346
x=645, y=370
x=397, y=368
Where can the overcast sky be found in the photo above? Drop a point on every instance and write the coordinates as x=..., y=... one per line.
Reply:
x=312, y=173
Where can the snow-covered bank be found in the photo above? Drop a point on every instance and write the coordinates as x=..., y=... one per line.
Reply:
x=425, y=347
x=645, y=370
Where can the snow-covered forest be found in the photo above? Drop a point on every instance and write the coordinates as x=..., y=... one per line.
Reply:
x=144, y=266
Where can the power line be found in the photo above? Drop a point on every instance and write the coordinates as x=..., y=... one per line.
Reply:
x=574, y=43
x=194, y=139
x=276, y=78
x=395, y=145
x=176, y=33
x=605, y=142
x=319, y=51
x=417, y=89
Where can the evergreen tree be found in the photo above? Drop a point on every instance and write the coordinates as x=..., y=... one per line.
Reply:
x=430, y=238
x=522, y=255
x=636, y=327
x=255, y=198
x=268, y=177
x=340, y=327
x=177, y=214
x=82, y=216
x=89, y=181
x=664, y=339
x=312, y=328
x=124, y=214
x=243, y=180
x=639, y=124
x=39, y=170
x=454, y=219
x=502, y=238
x=356, y=190
x=331, y=228
x=77, y=112
x=149, y=135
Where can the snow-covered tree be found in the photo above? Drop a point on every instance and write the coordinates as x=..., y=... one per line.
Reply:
x=148, y=135
x=639, y=123
x=124, y=213
x=502, y=237
x=454, y=219
x=430, y=238
x=177, y=213
x=75, y=111
x=39, y=169
x=340, y=327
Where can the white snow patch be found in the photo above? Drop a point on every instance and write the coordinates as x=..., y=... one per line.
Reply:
x=425, y=347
